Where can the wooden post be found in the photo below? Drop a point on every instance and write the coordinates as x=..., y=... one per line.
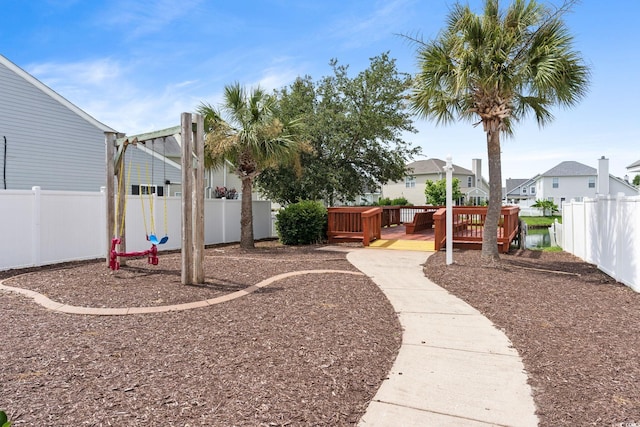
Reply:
x=187, y=199
x=198, y=214
x=110, y=143
x=121, y=223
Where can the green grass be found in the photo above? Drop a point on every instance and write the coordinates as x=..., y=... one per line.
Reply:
x=541, y=221
x=547, y=249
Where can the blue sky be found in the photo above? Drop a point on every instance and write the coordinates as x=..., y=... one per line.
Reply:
x=136, y=65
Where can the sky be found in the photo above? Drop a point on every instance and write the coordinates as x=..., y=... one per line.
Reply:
x=135, y=65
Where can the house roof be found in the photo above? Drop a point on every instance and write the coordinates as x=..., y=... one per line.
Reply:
x=514, y=183
x=434, y=166
x=635, y=164
x=571, y=168
x=53, y=94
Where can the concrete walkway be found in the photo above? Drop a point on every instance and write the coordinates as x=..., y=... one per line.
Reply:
x=454, y=368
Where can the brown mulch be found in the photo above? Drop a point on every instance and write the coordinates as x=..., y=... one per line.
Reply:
x=576, y=329
x=306, y=350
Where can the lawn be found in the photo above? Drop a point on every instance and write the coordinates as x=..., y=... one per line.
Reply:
x=541, y=221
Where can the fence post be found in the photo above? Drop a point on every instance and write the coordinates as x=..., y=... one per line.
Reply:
x=36, y=227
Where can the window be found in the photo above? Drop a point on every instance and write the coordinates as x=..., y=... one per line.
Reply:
x=532, y=190
x=469, y=181
x=592, y=182
x=147, y=189
x=523, y=190
x=410, y=182
x=555, y=183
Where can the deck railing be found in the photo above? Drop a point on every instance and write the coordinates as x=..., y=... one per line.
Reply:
x=350, y=224
x=468, y=226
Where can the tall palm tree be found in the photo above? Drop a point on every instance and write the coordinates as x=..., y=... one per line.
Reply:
x=251, y=138
x=495, y=69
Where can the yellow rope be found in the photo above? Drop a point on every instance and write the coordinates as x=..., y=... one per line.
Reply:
x=144, y=217
x=150, y=192
x=117, y=230
x=115, y=217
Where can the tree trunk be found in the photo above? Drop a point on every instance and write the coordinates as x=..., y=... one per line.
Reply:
x=490, y=234
x=246, y=215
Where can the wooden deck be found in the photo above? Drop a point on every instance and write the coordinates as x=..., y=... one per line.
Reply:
x=399, y=232
x=367, y=225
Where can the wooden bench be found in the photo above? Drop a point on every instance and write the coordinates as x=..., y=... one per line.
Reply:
x=421, y=221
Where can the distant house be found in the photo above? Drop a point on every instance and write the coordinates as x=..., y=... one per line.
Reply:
x=565, y=181
x=46, y=140
x=634, y=167
x=473, y=186
x=519, y=191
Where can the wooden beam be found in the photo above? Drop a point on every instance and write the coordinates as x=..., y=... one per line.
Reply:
x=110, y=148
x=149, y=136
x=198, y=214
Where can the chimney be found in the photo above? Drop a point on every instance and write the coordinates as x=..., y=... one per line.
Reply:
x=603, y=176
x=476, y=168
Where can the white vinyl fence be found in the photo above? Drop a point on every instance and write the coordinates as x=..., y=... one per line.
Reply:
x=40, y=227
x=605, y=232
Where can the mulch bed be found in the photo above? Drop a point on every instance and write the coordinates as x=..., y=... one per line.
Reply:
x=306, y=350
x=575, y=327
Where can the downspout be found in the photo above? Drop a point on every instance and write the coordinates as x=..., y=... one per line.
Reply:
x=4, y=164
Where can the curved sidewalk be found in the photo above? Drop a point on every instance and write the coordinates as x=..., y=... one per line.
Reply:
x=454, y=366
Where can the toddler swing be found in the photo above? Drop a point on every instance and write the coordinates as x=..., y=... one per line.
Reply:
x=151, y=253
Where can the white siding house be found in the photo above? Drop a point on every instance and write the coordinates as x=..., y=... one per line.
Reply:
x=471, y=183
x=45, y=140
x=567, y=181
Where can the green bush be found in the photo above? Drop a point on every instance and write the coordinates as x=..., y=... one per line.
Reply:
x=4, y=421
x=302, y=223
x=385, y=201
x=400, y=201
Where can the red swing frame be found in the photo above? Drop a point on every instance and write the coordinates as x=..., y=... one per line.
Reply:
x=114, y=264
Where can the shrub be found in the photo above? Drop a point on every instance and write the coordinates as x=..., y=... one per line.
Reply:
x=302, y=223
x=4, y=421
x=400, y=201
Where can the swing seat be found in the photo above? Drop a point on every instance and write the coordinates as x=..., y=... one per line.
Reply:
x=154, y=239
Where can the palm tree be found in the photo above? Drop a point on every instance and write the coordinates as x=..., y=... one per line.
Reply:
x=546, y=206
x=495, y=69
x=251, y=138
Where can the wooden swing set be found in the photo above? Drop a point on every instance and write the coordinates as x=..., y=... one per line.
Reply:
x=191, y=134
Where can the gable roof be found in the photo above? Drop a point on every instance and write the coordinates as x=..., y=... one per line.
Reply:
x=513, y=183
x=635, y=164
x=434, y=166
x=53, y=94
x=571, y=168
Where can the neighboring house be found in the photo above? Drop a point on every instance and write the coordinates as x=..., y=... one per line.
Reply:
x=45, y=140
x=633, y=168
x=569, y=180
x=473, y=186
x=520, y=191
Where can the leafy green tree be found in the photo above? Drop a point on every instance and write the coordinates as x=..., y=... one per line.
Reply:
x=636, y=180
x=436, y=191
x=495, y=69
x=355, y=126
x=546, y=206
x=251, y=138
